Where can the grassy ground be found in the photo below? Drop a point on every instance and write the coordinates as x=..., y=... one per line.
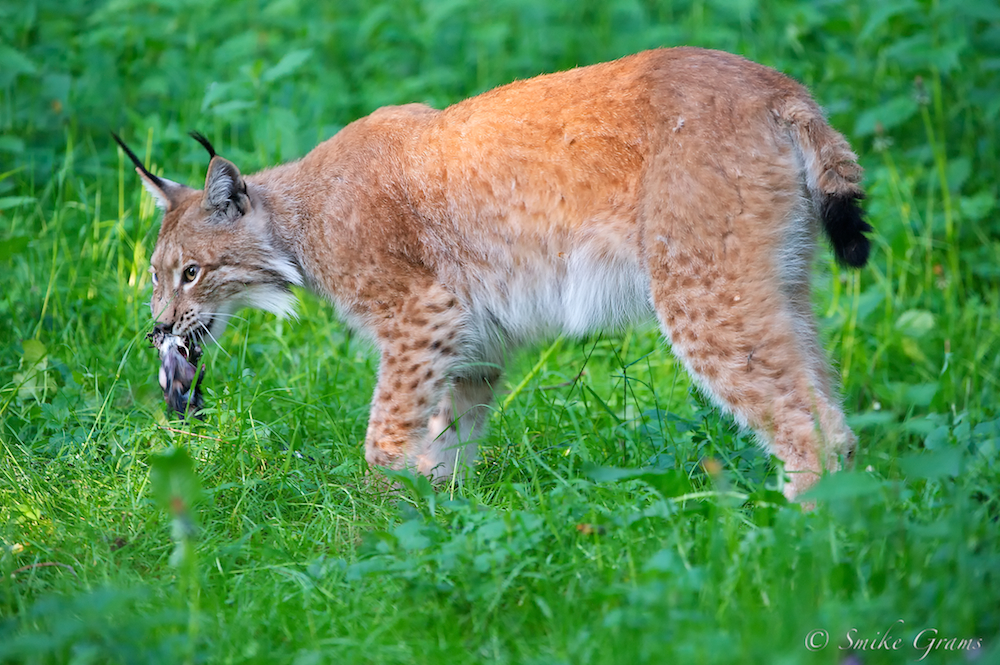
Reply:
x=614, y=517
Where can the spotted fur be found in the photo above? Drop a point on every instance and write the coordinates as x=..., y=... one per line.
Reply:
x=684, y=184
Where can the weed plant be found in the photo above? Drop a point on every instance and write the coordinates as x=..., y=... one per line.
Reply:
x=614, y=517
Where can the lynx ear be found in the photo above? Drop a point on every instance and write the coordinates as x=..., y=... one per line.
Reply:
x=225, y=190
x=166, y=192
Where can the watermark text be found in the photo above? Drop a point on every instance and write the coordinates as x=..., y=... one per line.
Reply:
x=893, y=637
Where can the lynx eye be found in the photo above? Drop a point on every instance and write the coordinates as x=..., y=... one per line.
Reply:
x=152, y=272
x=190, y=273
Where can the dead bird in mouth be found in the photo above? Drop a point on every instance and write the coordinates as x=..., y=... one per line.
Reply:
x=179, y=370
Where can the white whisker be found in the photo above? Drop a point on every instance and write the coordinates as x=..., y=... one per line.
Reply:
x=228, y=316
x=208, y=332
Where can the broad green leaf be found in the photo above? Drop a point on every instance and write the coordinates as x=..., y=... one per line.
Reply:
x=175, y=484
x=232, y=106
x=610, y=474
x=880, y=15
x=34, y=351
x=921, y=394
x=7, y=202
x=34, y=382
x=668, y=482
x=891, y=114
x=11, y=247
x=286, y=65
x=937, y=438
x=869, y=301
x=978, y=205
x=871, y=419
x=411, y=536
x=915, y=322
x=942, y=463
x=664, y=561
x=844, y=485
x=13, y=62
x=922, y=50
x=13, y=144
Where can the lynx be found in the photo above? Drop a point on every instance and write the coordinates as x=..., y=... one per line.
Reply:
x=685, y=184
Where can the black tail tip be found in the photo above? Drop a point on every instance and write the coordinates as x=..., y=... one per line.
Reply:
x=844, y=222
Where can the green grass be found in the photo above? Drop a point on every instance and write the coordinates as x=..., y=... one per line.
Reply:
x=615, y=518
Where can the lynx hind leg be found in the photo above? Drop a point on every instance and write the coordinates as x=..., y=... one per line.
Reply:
x=839, y=440
x=453, y=431
x=729, y=282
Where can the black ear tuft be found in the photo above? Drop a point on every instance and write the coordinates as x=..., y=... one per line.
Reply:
x=138, y=163
x=167, y=193
x=200, y=138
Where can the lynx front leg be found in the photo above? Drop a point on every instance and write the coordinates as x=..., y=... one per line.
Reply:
x=419, y=348
x=456, y=424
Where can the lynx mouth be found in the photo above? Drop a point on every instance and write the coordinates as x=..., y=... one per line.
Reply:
x=179, y=375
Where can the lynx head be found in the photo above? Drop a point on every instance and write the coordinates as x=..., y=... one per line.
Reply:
x=216, y=251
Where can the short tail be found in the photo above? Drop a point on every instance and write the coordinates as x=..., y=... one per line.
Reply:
x=833, y=177
x=845, y=225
